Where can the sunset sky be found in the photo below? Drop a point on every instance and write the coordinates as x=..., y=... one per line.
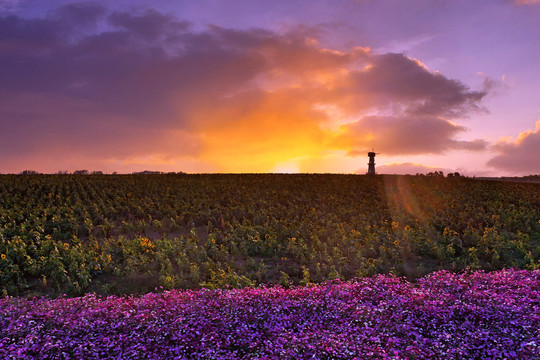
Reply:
x=270, y=86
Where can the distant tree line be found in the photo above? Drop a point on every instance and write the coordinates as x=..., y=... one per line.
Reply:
x=441, y=174
x=98, y=172
x=529, y=178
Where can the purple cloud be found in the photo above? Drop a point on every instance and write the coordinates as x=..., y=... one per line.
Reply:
x=526, y=2
x=406, y=135
x=104, y=85
x=519, y=156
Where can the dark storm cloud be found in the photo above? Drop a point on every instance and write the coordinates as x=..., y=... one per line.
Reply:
x=519, y=157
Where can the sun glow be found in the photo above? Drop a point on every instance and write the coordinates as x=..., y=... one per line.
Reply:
x=288, y=167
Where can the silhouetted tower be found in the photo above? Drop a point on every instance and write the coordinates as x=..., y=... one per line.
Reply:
x=371, y=163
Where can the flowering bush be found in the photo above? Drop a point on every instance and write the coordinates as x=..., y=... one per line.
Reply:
x=444, y=315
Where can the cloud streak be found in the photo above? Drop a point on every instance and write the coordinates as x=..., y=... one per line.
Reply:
x=526, y=2
x=408, y=168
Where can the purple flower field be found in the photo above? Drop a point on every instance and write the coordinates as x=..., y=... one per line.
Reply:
x=442, y=316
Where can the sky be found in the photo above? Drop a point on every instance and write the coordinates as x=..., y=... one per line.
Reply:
x=248, y=86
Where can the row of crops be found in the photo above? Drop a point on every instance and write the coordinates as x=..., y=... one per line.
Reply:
x=134, y=233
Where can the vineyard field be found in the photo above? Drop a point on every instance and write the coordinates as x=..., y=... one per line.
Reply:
x=132, y=234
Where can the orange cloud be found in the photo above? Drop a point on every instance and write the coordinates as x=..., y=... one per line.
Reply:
x=520, y=156
x=256, y=131
x=292, y=118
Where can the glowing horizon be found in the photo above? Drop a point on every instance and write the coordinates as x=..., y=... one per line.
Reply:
x=217, y=87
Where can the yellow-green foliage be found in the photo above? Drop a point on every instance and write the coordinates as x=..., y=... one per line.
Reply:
x=133, y=233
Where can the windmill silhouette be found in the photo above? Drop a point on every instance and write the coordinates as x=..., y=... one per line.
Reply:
x=371, y=163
